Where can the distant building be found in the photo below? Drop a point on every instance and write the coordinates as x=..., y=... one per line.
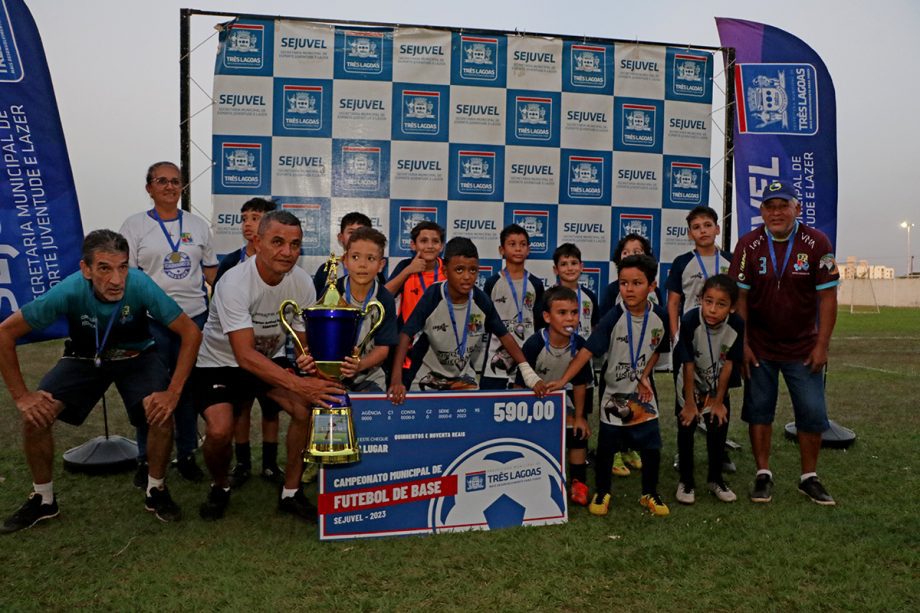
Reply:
x=861, y=269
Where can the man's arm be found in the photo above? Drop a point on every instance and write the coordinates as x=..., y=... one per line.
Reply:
x=38, y=407
x=827, y=319
x=160, y=405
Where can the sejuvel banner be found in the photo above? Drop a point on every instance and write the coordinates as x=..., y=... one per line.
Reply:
x=785, y=122
x=40, y=229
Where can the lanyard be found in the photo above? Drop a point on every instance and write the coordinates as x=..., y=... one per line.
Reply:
x=518, y=304
x=699, y=260
x=97, y=359
x=461, y=344
x=242, y=254
x=571, y=341
x=367, y=298
x=778, y=272
x=421, y=276
x=633, y=358
x=172, y=245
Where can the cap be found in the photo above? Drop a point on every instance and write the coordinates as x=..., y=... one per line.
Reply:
x=780, y=188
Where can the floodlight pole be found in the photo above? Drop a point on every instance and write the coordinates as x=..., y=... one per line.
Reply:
x=910, y=260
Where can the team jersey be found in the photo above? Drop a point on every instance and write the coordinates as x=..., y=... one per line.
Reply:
x=709, y=349
x=386, y=335
x=88, y=317
x=550, y=362
x=627, y=352
x=438, y=337
x=321, y=277
x=414, y=286
x=782, y=310
x=149, y=251
x=689, y=272
x=243, y=300
x=515, y=305
x=611, y=298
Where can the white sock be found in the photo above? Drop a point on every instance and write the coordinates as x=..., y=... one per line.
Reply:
x=286, y=493
x=45, y=490
x=154, y=483
x=764, y=471
x=807, y=476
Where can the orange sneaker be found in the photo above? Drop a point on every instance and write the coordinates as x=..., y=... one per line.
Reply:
x=579, y=493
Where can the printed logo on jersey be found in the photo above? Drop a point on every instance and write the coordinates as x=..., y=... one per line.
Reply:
x=10, y=62
x=245, y=46
x=801, y=262
x=777, y=99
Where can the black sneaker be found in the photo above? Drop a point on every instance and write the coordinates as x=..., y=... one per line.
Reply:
x=215, y=505
x=189, y=469
x=298, y=506
x=272, y=474
x=160, y=503
x=29, y=514
x=140, y=475
x=240, y=475
x=763, y=489
x=812, y=488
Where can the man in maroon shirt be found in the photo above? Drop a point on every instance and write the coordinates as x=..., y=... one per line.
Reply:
x=788, y=279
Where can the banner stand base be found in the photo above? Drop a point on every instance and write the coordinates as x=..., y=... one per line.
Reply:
x=102, y=455
x=835, y=437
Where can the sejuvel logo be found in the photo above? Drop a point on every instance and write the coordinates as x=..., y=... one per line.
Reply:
x=686, y=183
x=537, y=225
x=361, y=168
x=777, y=98
x=245, y=46
x=476, y=481
x=242, y=163
x=636, y=223
x=421, y=112
x=411, y=216
x=533, y=118
x=479, y=58
x=310, y=216
x=689, y=73
x=639, y=125
x=363, y=52
x=476, y=172
x=588, y=66
x=303, y=107
x=586, y=177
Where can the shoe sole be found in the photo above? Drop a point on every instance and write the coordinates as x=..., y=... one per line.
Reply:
x=685, y=502
x=165, y=520
x=32, y=525
x=762, y=500
x=653, y=512
x=823, y=503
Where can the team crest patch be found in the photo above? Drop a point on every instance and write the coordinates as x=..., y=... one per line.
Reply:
x=476, y=322
x=657, y=335
x=801, y=263
x=827, y=261
x=186, y=238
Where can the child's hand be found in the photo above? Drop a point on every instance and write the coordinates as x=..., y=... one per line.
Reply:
x=306, y=363
x=645, y=389
x=417, y=265
x=580, y=428
x=554, y=386
x=396, y=393
x=719, y=413
x=351, y=365
x=689, y=413
x=540, y=388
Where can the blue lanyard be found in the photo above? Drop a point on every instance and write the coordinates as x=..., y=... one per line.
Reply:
x=571, y=341
x=172, y=245
x=633, y=359
x=518, y=304
x=97, y=359
x=421, y=276
x=461, y=344
x=242, y=254
x=367, y=299
x=699, y=260
x=778, y=272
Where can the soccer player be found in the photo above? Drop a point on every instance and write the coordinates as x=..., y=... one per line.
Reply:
x=411, y=277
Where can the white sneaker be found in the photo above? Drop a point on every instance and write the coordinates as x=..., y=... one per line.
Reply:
x=722, y=492
x=685, y=495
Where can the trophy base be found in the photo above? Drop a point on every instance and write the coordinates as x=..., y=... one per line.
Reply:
x=332, y=435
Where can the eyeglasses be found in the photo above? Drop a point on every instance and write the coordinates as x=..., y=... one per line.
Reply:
x=163, y=181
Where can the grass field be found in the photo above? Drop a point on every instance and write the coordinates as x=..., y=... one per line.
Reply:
x=105, y=552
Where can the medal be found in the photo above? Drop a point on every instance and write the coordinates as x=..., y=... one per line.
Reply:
x=97, y=361
x=519, y=331
x=175, y=257
x=635, y=353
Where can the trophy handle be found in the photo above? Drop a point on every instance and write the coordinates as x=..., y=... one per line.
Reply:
x=373, y=304
x=282, y=313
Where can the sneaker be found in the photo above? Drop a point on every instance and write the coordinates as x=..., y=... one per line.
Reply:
x=721, y=491
x=619, y=468
x=685, y=494
x=655, y=505
x=600, y=505
x=763, y=489
x=728, y=466
x=215, y=505
x=812, y=488
x=189, y=469
x=29, y=514
x=579, y=493
x=239, y=475
x=298, y=506
x=275, y=475
x=140, y=475
x=676, y=462
x=633, y=460
x=160, y=503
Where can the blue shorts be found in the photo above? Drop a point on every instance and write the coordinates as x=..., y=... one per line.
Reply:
x=646, y=435
x=805, y=388
x=79, y=384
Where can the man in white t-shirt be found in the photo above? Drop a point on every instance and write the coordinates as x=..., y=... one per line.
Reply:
x=242, y=355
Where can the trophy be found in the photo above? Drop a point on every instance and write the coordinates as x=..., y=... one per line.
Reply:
x=332, y=332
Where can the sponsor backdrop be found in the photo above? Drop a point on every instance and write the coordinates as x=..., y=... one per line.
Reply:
x=39, y=216
x=448, y=462
x=785, y=125
x=575, y=141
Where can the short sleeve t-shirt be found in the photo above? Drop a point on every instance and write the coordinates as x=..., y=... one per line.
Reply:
x=708, y=349
x=627, y=353
x=690, y=271
x=88, y=317
x=783, y=309
x=415, y=285
x=386, y=335
x=180, y=276
x=243, y=300
x=436, y=350
x=550, y=362
x=515, y=303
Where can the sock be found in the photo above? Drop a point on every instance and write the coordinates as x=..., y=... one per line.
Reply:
x=287, y=493
x=764, y=471
x=270, y=455
x=154, y=483
x=806, y=476
x=243, y=454
x=579, y=471
x=225, y=489
x=45, y=490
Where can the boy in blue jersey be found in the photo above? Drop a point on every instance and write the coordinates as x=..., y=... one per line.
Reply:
x=631, y=337
x=106, y=305
x=515, y=293
x=549, y=352
x=708, y=355
x=447, y=330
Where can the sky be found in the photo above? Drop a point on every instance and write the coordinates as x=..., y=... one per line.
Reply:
x=115, y=69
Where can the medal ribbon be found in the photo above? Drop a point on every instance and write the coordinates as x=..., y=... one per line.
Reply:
x=633, y=358
x=242, y=250
x=519, y=305
x=461, y=344
x=717, y=367
x=778, y=272
x=367, y=298
x=172, y=245
x=421, y=276
x=571, y=341
x=699, y=260
x=100, y=347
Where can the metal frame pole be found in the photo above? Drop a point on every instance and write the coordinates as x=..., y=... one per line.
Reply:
x=729, y=179
x=185, y=125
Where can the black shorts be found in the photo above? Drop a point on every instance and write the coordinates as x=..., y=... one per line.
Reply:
x=231, y=385
x=646, y=435
x=80, y=384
